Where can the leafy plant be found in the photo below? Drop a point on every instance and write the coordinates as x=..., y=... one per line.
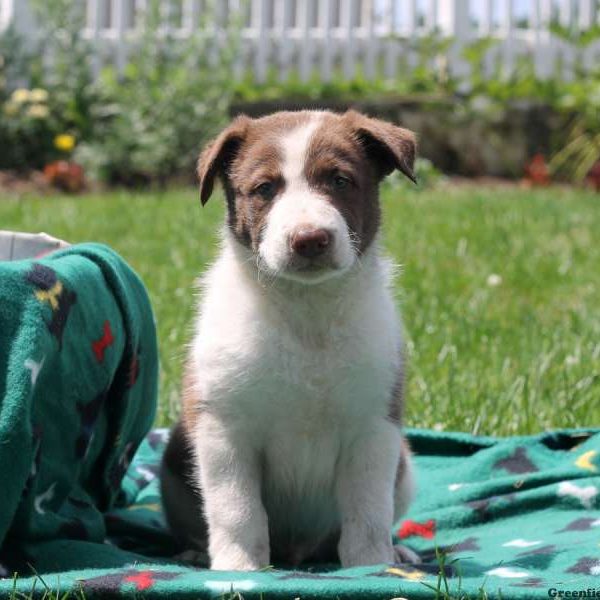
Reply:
x=581, y=101
x=581, y=150
x=63, y=65
x=13, y=60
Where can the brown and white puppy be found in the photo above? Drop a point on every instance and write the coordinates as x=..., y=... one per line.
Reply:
x=290, y=445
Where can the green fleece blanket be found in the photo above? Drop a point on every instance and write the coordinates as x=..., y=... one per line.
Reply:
x=78, y=387
x=518, y=517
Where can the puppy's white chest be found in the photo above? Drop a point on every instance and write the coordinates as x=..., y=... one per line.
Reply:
x=303, y=389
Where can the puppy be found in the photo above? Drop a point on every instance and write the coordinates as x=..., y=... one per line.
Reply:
x=290, y=446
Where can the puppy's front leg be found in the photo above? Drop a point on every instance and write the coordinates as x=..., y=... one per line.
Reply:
x=365, y=494
x=230, y=480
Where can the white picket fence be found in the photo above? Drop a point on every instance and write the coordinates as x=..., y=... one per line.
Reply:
x=377, y=38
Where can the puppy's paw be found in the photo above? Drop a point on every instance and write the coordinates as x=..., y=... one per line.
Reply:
x=236, y=558
x=403, y=554
x=364, y=555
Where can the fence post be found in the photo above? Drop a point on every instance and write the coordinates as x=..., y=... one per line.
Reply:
x=94, y=25
x=587, y=18
x=347, y=25
x=306, y=46
x=326, y=26
x=453, y=21
x=18, y=15
x=283, y=26
x=261, y=39
x=370, y=41
x=5, y=13
x=392, y=42
x=544, y=48
x=507, y=29
x=118, y=17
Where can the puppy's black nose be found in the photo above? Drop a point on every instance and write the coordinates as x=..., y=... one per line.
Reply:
x=310, y=243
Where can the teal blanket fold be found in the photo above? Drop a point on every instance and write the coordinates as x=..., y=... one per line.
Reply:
x=79, y=502
x=78, y=387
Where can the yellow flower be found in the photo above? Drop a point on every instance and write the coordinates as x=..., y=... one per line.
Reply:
x=20, y=96
x=38, y=95
x=64, y=142
x=37, y=111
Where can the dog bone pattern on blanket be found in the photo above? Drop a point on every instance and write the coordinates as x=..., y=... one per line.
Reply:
x=78, y=387
x=519, y=516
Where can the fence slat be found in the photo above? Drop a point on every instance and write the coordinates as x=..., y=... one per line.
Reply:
x=391, y=30
x=586, y=13
x=94, y=23
x=326, y=25
x=368, y=22
x=586, y=20
x=347, y=26
x=259, y=22
x=283, y=20
x=564, y=12
x=544, y=50
x=118, y=16
x=486, y=25
x=507, y=27
x=190, y=15
x=431, y=14
x=306, y=50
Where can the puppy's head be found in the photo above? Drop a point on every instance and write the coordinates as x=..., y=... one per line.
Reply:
x=302, y=187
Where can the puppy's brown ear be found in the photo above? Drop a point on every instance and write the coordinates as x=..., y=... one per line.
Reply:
x=217, y=156
x=388, y=146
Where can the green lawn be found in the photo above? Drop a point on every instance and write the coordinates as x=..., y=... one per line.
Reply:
x=517, y=357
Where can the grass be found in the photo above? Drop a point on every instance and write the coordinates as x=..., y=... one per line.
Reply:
x=512, y=358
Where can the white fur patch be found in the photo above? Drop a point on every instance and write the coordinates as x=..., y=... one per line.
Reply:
x=295, y=146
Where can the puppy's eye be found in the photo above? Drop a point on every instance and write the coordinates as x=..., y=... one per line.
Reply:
x=265, y=189
x=340, y=182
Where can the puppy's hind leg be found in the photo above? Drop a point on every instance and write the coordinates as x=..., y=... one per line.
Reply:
x=404, y=492
x=182, y=501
